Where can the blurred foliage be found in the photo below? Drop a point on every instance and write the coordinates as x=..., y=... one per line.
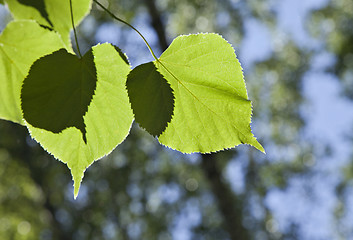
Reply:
x=145, y=191
x=334, y=23
x=137, y=192
x=27, y=220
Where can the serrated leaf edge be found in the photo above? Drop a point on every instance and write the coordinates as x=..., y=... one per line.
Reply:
x=260, y=148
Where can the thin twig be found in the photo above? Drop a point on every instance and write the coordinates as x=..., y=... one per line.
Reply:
x=73, y=26
x=120, y=20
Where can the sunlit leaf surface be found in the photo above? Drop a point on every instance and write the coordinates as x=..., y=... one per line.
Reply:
x=212, y=111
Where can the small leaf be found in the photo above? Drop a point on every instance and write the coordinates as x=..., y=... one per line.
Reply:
x=21, y=43
x=58, y=90
x=151, y=98
x=21, y=11
x=212, y=111
x=58, y=11
x=40, y=6
x=108, y=118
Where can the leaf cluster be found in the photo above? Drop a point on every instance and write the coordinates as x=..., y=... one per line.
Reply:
x=79, y=108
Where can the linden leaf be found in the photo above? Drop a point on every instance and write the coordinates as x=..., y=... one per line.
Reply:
x=212, y=111
x=151, y=98
x=108, y=118
x=21, y=43
x=40, y=6
x=58, y=90
x=52, y=13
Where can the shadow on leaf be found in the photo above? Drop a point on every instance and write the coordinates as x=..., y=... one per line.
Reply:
x=151, y=98
x=58, y=90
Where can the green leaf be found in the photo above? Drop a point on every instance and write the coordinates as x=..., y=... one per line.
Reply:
x=151, y=98
x=212, y=111
x=108, y=119
x=58, y=90
x=58, y=12
x=40, y=6
x=21, y=11
x=21, y=43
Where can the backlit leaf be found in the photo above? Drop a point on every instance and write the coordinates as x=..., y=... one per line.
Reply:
x=151, y=98
x=108, y=119
x=212, y=111
x=21, y=11
x=58, y=12
x=40, y=6
x=57, y=91
x=21, y=43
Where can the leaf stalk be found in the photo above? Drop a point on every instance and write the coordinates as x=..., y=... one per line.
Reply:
x=73, y=26
x=129, y=25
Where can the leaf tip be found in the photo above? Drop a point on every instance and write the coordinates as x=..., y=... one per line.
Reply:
x=76, y=192
x=77, y=178
x=259, y=147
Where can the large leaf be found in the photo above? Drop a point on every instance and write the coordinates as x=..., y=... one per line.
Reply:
x=108, y=119
x=151, y=98
x=212, y=111
x=57, y=91
x=21, y=43
x=54, y=14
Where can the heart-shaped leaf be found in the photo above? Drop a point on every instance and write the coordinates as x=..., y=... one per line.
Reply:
x=58, y=90
x=108, y=118
x=212, y=111
x=151, y=98
x=21, y=43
